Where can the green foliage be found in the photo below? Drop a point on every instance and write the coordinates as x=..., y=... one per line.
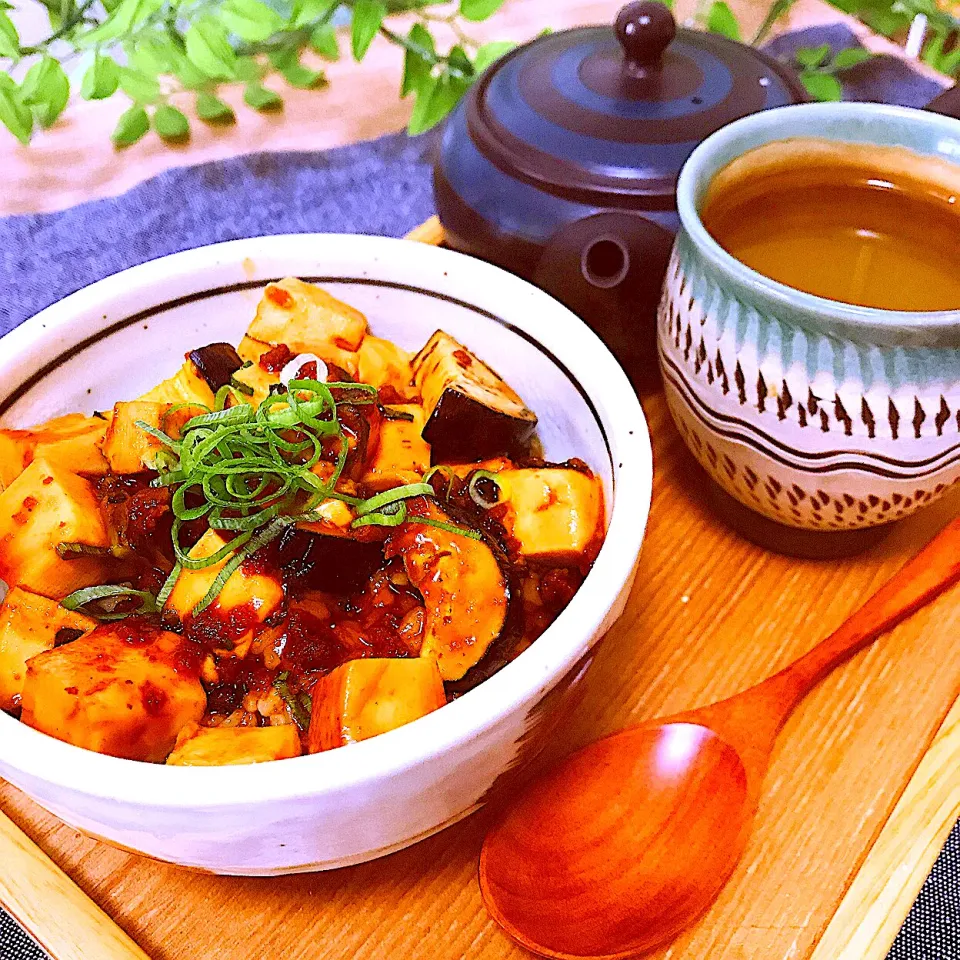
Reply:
x=368, y=17
x=101, y=79
x=819, y=71
x=149, y=51
x=171, y=124
x=131, y=126
x=212, y=109
x=721, y=19
x=45, y=90
x=260, y=98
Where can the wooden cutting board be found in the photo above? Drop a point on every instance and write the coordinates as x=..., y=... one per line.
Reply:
x=709, y=615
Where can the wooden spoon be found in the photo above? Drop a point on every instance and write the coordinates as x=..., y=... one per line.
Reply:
x=630, y=839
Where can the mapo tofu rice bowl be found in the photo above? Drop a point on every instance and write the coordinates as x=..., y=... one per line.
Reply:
x=306, y=544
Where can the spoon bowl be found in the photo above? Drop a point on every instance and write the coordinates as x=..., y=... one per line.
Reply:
x=573, y=888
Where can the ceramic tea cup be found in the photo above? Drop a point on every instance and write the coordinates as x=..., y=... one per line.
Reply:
x=816, y=415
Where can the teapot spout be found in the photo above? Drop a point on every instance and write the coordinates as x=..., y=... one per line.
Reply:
x=947, y=103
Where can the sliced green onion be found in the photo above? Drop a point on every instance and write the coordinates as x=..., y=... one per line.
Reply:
x=157, y=434
x=393, y=495
x=300, y=707
x=443, y=469
x=383, y=518
x=367, y=388
x=476, y=496
x=251, y=546
x=239, y=385
x=449, y=527
x=69, y=550
x=168, y=586
x=81, y=598
x=388, y=413
x=242, y=413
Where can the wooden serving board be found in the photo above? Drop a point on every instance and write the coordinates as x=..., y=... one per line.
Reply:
x=832, y=862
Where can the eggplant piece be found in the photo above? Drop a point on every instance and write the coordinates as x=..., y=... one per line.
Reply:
x=216, y=363
x=472, y=413
x=465, y=591
x=330, y=564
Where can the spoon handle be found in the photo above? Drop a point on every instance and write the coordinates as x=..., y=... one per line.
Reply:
x=935, y=568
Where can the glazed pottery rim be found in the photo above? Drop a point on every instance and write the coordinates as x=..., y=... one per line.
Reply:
x=792, y=122
x=569, y=343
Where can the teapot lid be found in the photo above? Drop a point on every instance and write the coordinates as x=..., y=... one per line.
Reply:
x=609, y=115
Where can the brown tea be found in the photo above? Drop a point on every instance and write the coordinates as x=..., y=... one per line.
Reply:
x=874, y=226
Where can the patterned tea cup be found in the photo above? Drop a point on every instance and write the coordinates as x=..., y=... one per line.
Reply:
x=815, y=414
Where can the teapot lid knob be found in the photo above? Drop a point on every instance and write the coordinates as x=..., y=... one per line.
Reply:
x=645, y=29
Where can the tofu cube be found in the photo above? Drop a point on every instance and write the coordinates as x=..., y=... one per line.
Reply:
x=384, y=364
x=46, y=505
x=227, y=746
x=401, y=454
x=127, y=447
x=72, y=442
x=309, y=320
x=126, y=689
x=362, y=698
x=254, y=376
x=555, y=512
x=245, y=601
x=185, y=386
x=30, y=624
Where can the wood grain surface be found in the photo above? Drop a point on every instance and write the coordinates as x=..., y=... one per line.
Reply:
x=44, y=900
x=709, y=615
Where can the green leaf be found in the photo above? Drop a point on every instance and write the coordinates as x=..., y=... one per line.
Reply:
x=250, y=20
x=479, y=9
x=812, y=57
x=214, y=110
x=324, y=41
x=822, y=86
x=260, y=98
x=847, y=59
x=417, y=67
x=46, y=89
x=284, y=58
x=950, y=63
x=127, y=15
x=188, y=73
x=457, y=60
x=9, y=38
x=208, y=48
x=721, y=20
x=490, y=53
x=367, y=19
x=425, y=91
x=14, y=114
x=131, y=126
x=309, y=11
x=303, y=78
x=101, y=79
x=249, y=70
x=435, y=99
x=152, y=54
x=139, y=87
x=171, y=124
x=933, y=51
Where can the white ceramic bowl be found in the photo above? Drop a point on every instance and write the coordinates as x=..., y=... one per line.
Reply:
x=119, y=337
